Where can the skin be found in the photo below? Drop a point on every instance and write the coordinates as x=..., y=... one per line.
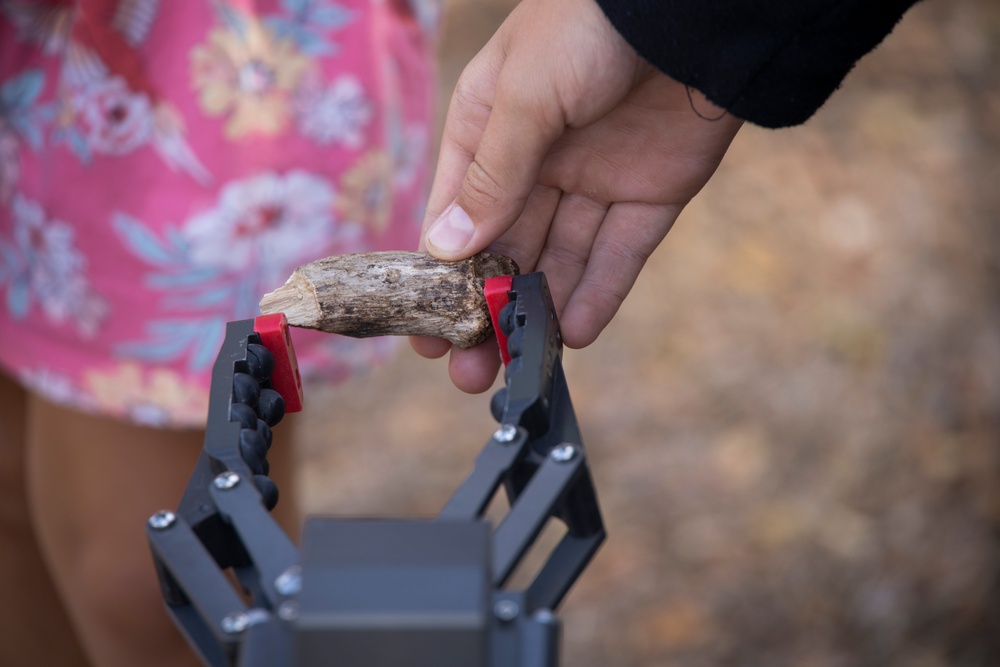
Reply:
x=565, y=150
x=72, y=528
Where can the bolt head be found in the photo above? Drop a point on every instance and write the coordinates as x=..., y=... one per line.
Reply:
x=162, y=520
x=235, y=623
x=563, y=453
x=288, y=610
x=226, y=480
x=545, y=617
x=289, y=582
x=506, y=433
x=506, y=610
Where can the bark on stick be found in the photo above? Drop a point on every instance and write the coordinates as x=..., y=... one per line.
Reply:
x=391, y=294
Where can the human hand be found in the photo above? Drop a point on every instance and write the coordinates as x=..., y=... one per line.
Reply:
x=565, y=150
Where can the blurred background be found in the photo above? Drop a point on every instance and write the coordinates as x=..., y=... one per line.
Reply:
x=794, y=422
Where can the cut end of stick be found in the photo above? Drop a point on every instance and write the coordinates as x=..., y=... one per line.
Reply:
x=296, y=299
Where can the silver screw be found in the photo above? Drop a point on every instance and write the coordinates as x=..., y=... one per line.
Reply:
x=563, y=453
x=226, y=480
x=506, y=433
x=162, y=520
x=288, y=610
x=506, y=610
x=545, y=617
x=289, y=582
x=235, y=623
x=257, y=615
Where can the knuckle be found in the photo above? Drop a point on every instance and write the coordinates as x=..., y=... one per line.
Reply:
x=481, y=188
x=632, y=256
x=564, y=256
x=609, y=293
x=466, y=95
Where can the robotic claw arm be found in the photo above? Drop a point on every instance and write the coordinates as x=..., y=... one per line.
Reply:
x=389, y=592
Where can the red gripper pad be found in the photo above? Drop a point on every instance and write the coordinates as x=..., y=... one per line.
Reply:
x=286, y=380
x=497, y=293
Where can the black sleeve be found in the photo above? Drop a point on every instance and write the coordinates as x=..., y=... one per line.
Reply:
x=770, y=62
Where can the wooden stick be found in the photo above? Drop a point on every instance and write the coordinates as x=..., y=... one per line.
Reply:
x=391, y=293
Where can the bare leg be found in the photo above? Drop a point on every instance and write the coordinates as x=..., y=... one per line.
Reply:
x=34, y=628
x=94, y=482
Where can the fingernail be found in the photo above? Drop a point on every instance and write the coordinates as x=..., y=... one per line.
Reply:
x=452, y=231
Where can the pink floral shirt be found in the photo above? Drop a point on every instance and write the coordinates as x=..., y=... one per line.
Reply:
x=164, y=164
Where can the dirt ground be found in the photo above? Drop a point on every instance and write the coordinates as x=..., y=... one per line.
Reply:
x=793, y=424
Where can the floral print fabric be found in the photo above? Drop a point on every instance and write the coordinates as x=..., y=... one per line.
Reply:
x=164, y=164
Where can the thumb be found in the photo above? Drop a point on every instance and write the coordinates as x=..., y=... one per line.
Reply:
x=519, y=132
